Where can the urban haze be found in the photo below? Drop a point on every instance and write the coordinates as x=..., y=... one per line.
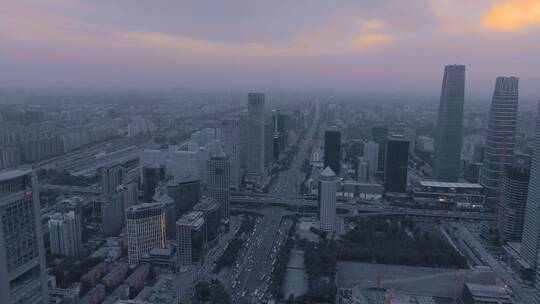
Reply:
x=309, y=151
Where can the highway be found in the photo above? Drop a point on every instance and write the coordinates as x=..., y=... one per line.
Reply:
x=251, y=274
x=288, y=181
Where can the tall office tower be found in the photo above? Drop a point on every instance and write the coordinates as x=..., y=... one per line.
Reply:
x=190, y=237
x=161, y=197
x=255, y=135
x=380, y=136
x=515, y=185
x=397, y=158
x=326, y=199
x=185, y=194
x=279, y=128
x=332, y=150
x=362, y=170
x=447, y=158
x=219, y=180
x=75, y=204
x=111, y=177
x=112, y=215
x=243, y=122
x=212, y=219
x=371, y=155
x=145, y=228
x=530, y=241
x=23, y=277
x=230, y=137
x=268, y=143
x=151, y=175
x=500, y=139
x=65, y=234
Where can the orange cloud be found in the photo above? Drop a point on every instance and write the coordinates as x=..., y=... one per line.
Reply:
x=512, y=15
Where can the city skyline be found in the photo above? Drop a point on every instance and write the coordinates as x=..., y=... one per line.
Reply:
x=329, y=47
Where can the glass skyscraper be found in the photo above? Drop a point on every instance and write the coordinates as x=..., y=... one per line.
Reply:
x=446, y=163
x=500, y=140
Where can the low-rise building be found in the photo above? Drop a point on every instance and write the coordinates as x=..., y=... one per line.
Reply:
x=461, y=195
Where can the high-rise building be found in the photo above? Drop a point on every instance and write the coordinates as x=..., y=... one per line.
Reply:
x=500, y=139
x=212, y=219
x=362, y=170
x=111, y=177
x=332, y=150
x=230, y=137
x=268, y=143
x=530, y=241
x=161, y=197
x=65, y=234
x=326, y=199
x=75, y=204
x=190, y=237
x=380, y=135
x=151, y=175
x=219, y=176
x=145, y=229
x=371, y=155
x=255, y=135
x=511, y=211
x=397, y=157
x=447, y=158
x=185, y=194
x=23, y=276
x=112, y=215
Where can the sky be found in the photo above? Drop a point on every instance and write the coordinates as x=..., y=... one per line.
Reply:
x=344, y=45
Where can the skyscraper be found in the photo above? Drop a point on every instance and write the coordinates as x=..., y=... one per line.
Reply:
x=219, y=176
x=151, y=175
x=145, y=229
x=397, y=157
x=190, y=237
x=111, y=177
x=332, y=150
x=65, y=234
x=212, y=219
x=230, y=136
x=112, y=215
x=447, y=159
x=22, y=256
x=380, y=135
x=326, y=199
x=530, y=241
x=511, y=212
x=371, y=155
x=500, y=140
x=255, y=135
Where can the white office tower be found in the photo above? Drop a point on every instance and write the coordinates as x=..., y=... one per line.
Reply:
x=145, y=228
x=230, y=140
x=326, y=199
x=183, y=165
x=530, y=242
x=371, y=155
x=218, y=187
x=23, y=276
x=501, y=133
x=65, y=234
x=190, y=231
x=362, y=170
x=255, y=137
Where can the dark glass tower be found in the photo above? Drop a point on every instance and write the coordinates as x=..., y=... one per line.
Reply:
x=446, y=162
x=397, y=157
x=332, y=150
x=380, y=135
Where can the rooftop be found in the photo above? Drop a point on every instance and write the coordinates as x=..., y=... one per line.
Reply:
x=193, y=218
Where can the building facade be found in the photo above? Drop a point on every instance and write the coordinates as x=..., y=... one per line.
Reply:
x=326, y=199
x=255, y=135
x=219, y=179
x=22, y=256
x=145, y=229
x=190, y=237
x=500, y=140
x=515, y=188
x=65, y=234
x=380, y=136
x=332, y=150
x=447, y=158
x=396, y=164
